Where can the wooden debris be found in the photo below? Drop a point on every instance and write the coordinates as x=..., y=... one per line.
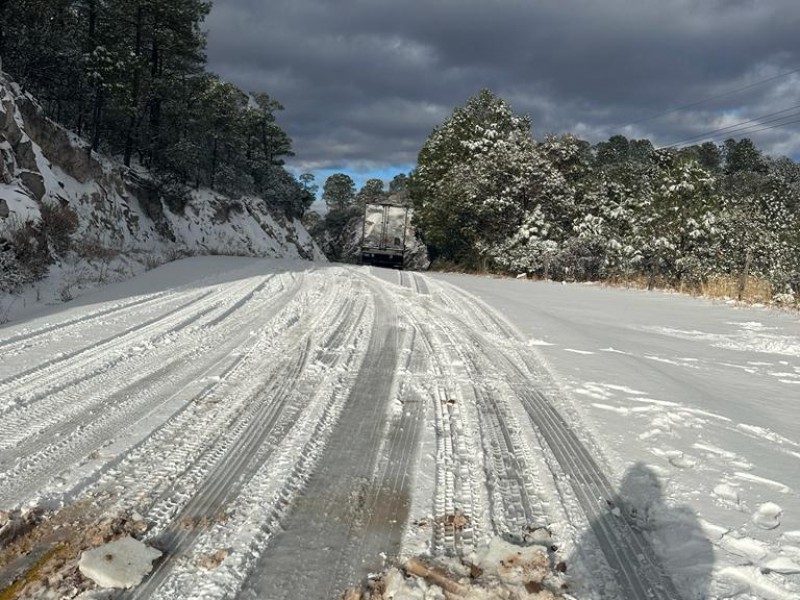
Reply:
x=457, y=521
x=435, y=576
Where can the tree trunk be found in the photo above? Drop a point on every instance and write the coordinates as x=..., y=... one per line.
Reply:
x=97, y=113
x=745, y=272
x=3, y=20
x=213, y=164
x=88, y=49
x=134, y=89
x=267, y=154
x=155, y=103
x=92, y=22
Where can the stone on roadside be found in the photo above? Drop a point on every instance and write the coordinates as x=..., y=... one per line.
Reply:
x=122, y=563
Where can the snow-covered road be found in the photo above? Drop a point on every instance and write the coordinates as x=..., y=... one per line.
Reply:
x=281, y=430
x=694, y=407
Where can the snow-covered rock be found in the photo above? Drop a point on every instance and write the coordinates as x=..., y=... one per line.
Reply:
x=122, y=563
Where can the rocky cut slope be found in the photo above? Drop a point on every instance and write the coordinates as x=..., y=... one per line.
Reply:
x=70, y=219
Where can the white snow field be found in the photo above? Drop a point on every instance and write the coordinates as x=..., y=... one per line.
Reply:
x=283, y=429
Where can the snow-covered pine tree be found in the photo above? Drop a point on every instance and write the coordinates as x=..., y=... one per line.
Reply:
x=473, y=181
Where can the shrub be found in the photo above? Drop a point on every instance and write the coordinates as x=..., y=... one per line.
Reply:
x=59, y=222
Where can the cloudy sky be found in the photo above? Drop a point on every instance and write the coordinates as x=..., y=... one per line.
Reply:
x=365, y=81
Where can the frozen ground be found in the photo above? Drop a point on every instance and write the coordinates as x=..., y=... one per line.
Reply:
x=280, y=430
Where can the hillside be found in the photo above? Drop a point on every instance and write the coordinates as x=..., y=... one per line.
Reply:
x=70, y=220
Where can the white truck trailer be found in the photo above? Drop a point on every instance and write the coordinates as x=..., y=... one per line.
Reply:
x=384, y=238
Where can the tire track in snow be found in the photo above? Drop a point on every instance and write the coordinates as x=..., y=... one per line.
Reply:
x=200, y=303
x=29, y=338
x=62, y=368
x=73, y=437
x=339, y=502
x=378, y=530
x=89, y=424
x=256, y=437
x=74, y=393
x=111, y=359
x=229, y=469
x=458, y=500
x=186, y=446
x=628, y=552
x=265, y=499
x=511, y=475
x=421, y=284
x=638, y=571
x=470, y=412
x=503, y=468
x=457, y=475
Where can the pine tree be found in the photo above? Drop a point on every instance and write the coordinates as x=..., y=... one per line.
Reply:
x=474, y=179
x=339, y=192
x=371, y=191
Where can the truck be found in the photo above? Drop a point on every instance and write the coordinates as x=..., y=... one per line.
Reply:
x=383, y=242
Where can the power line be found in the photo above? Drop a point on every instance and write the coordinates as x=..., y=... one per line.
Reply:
x=708, y=99
x=756, y=121
x=710, y=138
x=746, y=130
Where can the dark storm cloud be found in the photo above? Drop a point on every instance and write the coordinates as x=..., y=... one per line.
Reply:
x=364, y=81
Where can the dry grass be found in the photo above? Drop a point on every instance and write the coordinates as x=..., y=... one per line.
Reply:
x=755, y=291
x=723, y=287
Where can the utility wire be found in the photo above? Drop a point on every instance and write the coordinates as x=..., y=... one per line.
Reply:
x=708, y=99
x=756, y=121
x=710, y=138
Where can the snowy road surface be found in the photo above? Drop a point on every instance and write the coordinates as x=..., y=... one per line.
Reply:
x=284, y=429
